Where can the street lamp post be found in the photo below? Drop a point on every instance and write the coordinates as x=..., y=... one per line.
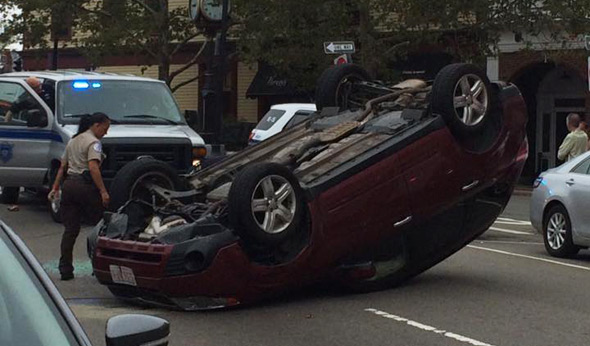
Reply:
x=212, y=93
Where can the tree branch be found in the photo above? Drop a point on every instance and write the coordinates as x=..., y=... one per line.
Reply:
x=145, y=6
x=131, y=33
x=181, y=44
x=143, y=45
x=193, y=61
x=100, y=12
x=180, y=85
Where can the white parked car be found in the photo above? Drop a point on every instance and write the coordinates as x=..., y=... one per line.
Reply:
x=279, y=118
x=560, y=207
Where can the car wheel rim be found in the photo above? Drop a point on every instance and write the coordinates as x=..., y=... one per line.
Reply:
x=470, y=100
x=139, y=189
x=556, y=231
x=273, y=204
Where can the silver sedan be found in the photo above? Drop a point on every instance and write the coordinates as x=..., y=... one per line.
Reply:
x=560, y=207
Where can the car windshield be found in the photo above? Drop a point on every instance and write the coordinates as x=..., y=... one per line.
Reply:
x=28, y=316
x=135, y=102
x=270, y=118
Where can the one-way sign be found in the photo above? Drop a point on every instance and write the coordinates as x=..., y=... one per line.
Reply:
x=343, y=47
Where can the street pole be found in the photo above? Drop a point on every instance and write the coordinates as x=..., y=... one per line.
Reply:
x=55, y=53
x=221, y=57
x=212, y=93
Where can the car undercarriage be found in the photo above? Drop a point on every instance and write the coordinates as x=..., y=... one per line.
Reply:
x=332, y=198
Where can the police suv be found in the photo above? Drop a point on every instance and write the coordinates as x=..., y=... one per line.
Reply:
x=35, y=127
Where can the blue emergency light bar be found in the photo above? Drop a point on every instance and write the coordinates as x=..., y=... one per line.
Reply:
x=81, y=85
x=86, y=85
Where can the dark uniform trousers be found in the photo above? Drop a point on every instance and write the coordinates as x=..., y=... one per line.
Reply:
x=79, y=199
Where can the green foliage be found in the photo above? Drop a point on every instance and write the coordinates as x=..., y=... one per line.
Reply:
x=289, y=34
x=146, y=28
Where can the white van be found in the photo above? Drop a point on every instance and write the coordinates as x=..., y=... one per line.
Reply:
x=280, y=117
x=146, y=121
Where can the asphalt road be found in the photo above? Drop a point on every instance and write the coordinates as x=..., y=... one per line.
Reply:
x=501, y=290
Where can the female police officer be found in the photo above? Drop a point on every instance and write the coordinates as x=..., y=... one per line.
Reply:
x=83, y=191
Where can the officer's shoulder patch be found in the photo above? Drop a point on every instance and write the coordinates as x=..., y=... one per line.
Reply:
x=97, y=147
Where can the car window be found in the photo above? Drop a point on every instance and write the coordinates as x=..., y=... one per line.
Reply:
x=269, y=119
x=15, y=104
x=123, y=101
x=28, y=316
x=298, y=118
x=583, y=167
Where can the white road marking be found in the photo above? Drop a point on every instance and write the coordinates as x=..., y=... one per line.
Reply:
x=508, y=221
x=529, y=257
x=428, y=328
x=508, y=242
x=504, y=230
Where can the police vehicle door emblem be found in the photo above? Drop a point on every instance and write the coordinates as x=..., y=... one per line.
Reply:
x=6, y=152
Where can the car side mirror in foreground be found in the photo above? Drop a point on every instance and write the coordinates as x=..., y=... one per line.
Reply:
x=135, y=330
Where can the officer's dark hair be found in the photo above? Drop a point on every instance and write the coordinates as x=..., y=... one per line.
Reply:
x=87, y=120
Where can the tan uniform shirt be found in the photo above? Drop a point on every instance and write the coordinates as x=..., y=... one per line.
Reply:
x=81, y=150
x=573, y=145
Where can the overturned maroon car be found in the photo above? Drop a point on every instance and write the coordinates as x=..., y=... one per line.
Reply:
x=380, y=185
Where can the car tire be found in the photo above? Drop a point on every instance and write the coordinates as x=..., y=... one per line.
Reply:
x=334, y=84
x=557, y=233
x=127, y=182
x=462, y=95
x=270, y=188
x=9, y=194
x=54, y=205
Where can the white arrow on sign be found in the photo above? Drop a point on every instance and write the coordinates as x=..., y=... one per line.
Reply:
x=331, y=47
x=339, y=47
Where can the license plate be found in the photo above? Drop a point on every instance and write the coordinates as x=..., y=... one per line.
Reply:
x=122, y=275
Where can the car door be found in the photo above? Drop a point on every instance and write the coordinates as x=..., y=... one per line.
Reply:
x=432, y=174
x=25, y=135
x=363, y=209
x=577, y=199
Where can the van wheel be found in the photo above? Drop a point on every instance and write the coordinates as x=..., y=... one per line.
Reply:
x=129, y=182
x=9, y=194
x=462, y=95
x=336, y=87
x=266, y=205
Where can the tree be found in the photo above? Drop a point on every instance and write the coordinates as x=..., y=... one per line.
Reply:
x=147, y=28
x=289, y=35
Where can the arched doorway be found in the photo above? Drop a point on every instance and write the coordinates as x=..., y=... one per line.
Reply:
x=551, y=91
x=562, y=91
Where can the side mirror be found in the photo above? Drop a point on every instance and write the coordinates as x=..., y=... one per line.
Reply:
x=36, y=118
x=136, y=330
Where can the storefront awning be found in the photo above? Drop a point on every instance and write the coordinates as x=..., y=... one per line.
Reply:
x=268, y=83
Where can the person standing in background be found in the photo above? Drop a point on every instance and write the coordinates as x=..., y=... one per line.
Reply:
x=576, y=142
x=83, y=191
